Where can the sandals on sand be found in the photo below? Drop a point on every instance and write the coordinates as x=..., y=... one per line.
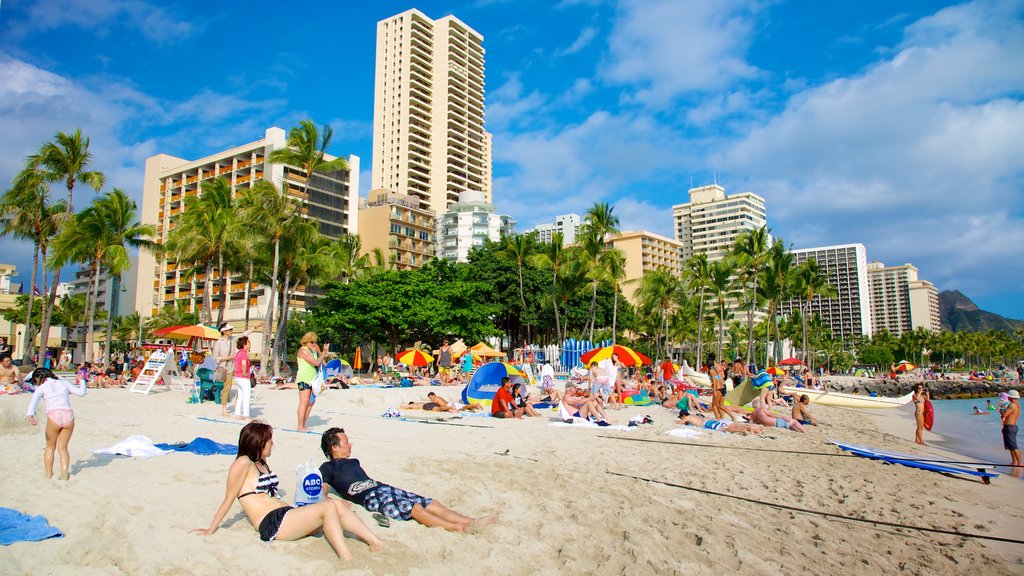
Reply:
x=382, y=520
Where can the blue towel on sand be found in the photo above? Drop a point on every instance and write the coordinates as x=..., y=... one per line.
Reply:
x=18, y=527
x=201, y=446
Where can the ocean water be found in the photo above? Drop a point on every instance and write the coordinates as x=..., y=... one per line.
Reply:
x=977, y=437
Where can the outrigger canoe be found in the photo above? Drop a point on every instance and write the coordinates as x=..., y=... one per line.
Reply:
x=699, y=379
x=826, y=398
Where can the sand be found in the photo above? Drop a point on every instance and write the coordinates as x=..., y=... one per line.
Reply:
x=562, y=512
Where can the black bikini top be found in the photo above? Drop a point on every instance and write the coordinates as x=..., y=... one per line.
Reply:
x=266, y=483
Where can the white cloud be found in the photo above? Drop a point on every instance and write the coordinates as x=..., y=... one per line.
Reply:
x=586, y=36
x=660, y=49
x=508, y=106
x=636, y=215
x=918, y=157
x=152, y=20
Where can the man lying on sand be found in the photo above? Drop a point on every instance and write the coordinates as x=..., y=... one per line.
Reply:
x=351, y=482
x=435, y=403
x=721, y=425
x=762, y=416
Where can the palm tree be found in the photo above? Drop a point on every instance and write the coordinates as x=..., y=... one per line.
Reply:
x=100, y=236
x=658, y=292
x=201, y=237
x=720, y=283
x=751, y=252
x=66, y=160
x=599, y=222
x=553, y=256
x=774, y=288
x=809, y=280
x=352, y=262
x=518, y=248
x=299, y=237
x=266, y=211
x=699, y=273
x=25, y=213
x=70, y=312
x=613, y=262
x=168, y=316
x=126, y=328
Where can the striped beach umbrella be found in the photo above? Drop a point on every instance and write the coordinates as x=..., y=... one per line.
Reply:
x=627, y=355
x=414, y=357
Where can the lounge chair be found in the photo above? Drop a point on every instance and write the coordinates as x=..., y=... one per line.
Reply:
x=208, y=388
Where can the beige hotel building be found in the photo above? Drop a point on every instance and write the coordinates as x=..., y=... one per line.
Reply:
x=428, y=110
x=900, y=302
x=399, y=227
x=330, y=200
x=646, y=251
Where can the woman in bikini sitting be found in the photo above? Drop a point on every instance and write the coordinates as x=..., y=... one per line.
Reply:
x=251, y=481
x=920, y=396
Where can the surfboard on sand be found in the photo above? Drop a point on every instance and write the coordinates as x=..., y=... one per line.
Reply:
x=921, y=462
x=929, y=415
x=742, y=394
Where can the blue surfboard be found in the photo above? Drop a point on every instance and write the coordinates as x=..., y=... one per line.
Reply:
x=913, y=461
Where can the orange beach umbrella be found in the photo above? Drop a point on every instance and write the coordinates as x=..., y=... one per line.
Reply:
x=357, y=362
x=627, y=355
x=414, y=357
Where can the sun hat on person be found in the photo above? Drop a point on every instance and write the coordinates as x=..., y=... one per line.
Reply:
x=1003, y=396
x=225, y=327
x=1013, y=394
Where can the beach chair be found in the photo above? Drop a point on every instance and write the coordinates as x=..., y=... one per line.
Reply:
x=208, y=389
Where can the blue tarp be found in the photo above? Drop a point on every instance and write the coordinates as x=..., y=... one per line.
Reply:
x=18, y=527
x=201, y=446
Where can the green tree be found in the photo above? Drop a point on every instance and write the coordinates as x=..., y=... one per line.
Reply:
x=27, y=214
x=613, y=262
x=774, y=287
x=809, y=281
x=518, y=248
x=553, y=256
x=721, y=286
x=66, y=160
x=599, y=223
x=698, y=274
x=168, y=316
x=750, y=251
x=657, y=294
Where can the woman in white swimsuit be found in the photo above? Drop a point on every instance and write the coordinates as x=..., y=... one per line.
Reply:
x=60, y=418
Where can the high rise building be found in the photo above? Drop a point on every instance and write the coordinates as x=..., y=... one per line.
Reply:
x=900, y=302
x=849, y=312
x=329, y=199
x=567, y=224
x=399, y=227
x=645, y=251
x=428, y=110
x=468, y=223
x=710, y=222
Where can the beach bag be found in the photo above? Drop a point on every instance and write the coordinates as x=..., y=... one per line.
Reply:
x=308, y=484
x=317, y=385
x=219, y=374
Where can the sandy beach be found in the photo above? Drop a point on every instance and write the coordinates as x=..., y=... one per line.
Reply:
x=565, y=508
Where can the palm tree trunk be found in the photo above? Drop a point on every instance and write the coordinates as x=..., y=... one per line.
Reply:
x=223, y=288
x=615, y=314
x=700, y=326
x=29, y=340
x=89, y=335
x=110, y=335
x=522, y=299
x=207, y=292
x=721, y=327
x=593, y=312
x=803, y=320
x=271, y=300
x=248, y=283
x=554, y=304
x=44, y=329
x=750, y=319
x=278, y=345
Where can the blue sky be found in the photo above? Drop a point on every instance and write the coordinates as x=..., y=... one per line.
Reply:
x=895, y=124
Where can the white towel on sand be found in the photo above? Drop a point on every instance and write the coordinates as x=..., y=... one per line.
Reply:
x=581, y=423
x=136, y=446
x=684, y=432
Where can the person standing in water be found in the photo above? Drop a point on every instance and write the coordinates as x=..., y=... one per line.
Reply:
x=60, y=418
x=1009, y=421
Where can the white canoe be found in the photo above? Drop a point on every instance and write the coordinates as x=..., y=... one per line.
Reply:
x=848, y=400
x=698, y=378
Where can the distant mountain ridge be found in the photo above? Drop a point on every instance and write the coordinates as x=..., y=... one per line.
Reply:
x=959, y=313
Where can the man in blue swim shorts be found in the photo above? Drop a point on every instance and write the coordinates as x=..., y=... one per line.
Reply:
x=350, y=481
x=721, y=425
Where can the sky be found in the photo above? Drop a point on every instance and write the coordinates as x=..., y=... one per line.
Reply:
x=898, y=125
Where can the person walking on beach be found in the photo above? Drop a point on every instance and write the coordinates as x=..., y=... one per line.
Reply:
x=921, y=395
x=716, y=372
x=255, y=486
x=60, y=418
x=444, y=363
x=224, y=353
x=309, y=358
x=242, y=374
x=1010, y=427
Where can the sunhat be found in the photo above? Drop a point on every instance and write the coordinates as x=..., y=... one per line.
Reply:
x=1013, y=394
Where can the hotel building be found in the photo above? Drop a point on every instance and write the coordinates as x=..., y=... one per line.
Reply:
x=428, y=110
x=710, y=222
x=900, y=302
x=330, y=200
x=645, y=251
x=468, y=223
x=846, y=267
x=567, y=224
x=396, y=224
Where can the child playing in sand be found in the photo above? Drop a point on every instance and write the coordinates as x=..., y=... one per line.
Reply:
x=351, y=482
x=60, y=418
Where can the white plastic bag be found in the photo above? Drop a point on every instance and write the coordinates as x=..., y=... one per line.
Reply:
x=308, y=484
